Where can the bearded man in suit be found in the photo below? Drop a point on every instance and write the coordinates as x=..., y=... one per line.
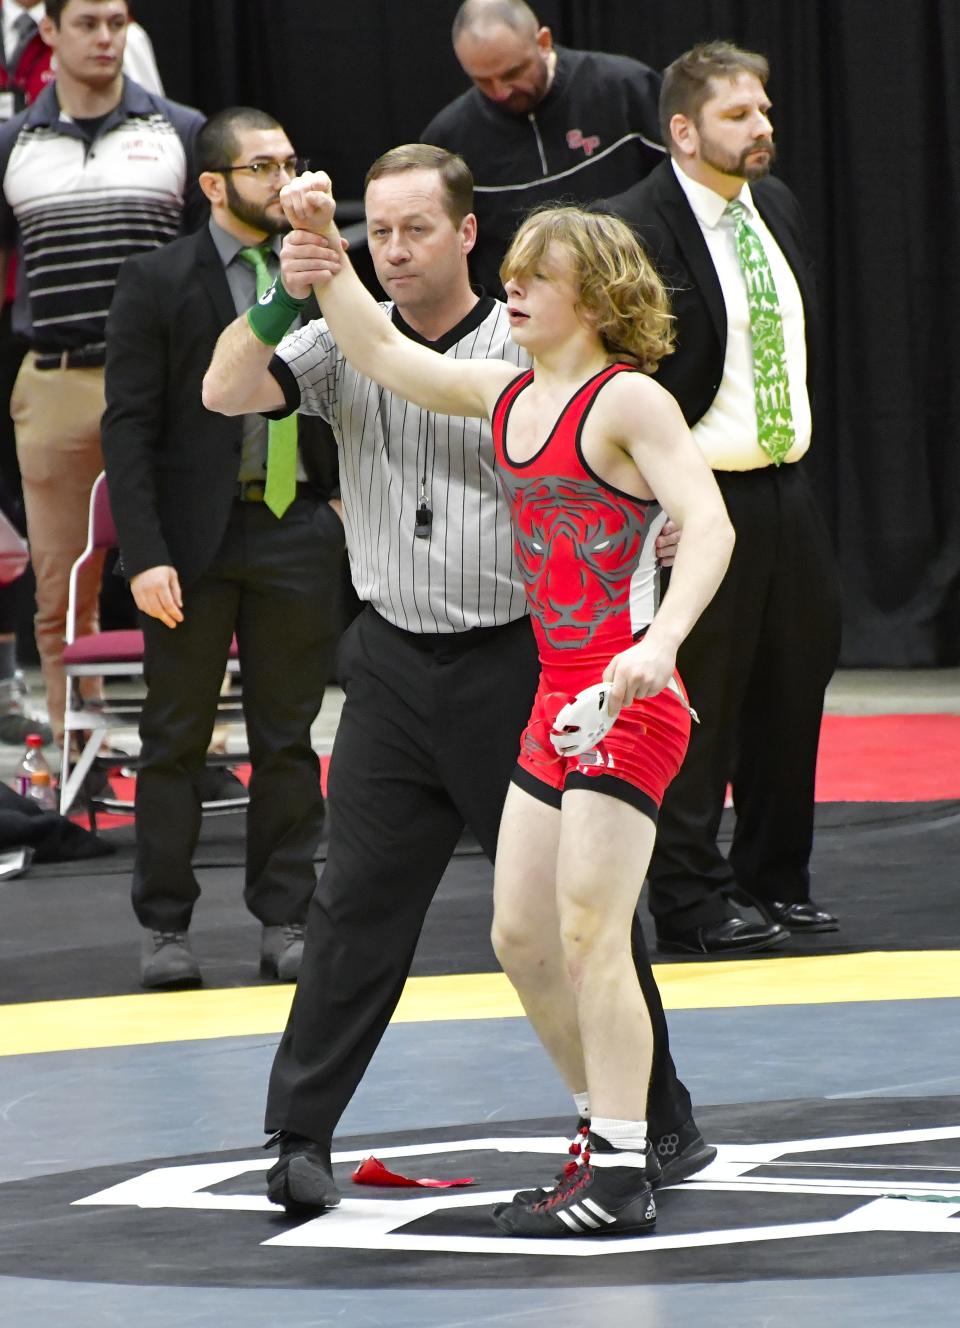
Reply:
x=728, y=239
x=225, y=529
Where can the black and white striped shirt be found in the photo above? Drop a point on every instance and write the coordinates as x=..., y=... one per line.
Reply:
x=80, y=206
x=393, y=455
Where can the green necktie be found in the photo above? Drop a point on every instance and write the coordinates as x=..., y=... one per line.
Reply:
x=281, y=487
x=771, y=386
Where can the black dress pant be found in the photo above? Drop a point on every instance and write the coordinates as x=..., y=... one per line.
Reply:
x=427, y=742
x=273, y=583
x=756, y=666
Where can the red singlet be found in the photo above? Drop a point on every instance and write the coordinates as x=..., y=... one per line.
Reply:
x=587, y=555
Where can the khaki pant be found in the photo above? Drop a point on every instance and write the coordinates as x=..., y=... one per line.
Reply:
x=56, y=414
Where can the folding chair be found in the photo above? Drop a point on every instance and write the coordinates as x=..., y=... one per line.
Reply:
x=117, y=656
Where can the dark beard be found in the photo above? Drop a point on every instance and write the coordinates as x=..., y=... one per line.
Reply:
x=759, y=169
x=738, y=167
x=254, y=214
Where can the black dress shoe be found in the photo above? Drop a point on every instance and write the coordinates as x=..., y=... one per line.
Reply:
x=804, y=916
x=732, y=936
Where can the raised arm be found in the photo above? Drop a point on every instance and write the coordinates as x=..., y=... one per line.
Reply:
x=368, y=339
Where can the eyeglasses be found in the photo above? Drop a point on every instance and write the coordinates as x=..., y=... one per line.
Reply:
x=268, y=170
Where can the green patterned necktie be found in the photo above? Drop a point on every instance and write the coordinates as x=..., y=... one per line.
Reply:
x=281, y=487
x=771, y=386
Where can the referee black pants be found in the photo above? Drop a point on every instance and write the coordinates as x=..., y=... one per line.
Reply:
x=755, y=666
x=427, y=742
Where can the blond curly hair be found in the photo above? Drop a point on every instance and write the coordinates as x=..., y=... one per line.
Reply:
x=619, y=289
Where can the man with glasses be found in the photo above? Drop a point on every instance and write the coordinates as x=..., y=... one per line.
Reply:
x=225, y=528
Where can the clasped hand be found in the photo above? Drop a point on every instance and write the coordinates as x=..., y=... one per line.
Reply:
x=308, y=202
x=308, y=257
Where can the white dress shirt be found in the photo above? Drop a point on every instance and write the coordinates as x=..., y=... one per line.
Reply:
x=727, y=433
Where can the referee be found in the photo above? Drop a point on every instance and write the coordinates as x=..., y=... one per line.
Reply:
x=439, y=669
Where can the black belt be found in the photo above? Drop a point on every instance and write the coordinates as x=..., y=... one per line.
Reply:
x=252, y=491
x=83, y=357
x=451, y=643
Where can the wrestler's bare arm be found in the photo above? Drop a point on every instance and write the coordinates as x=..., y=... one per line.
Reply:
x=368, y=339
x=670, y=463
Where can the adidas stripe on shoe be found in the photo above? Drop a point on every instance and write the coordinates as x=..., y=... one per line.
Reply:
x=609, y=1193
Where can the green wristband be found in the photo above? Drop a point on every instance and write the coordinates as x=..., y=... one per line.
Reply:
x=271, y=317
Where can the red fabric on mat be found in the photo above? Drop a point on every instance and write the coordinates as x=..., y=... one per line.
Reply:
x=889, y=758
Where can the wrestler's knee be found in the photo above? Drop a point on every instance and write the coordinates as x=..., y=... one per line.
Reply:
x=521, y=951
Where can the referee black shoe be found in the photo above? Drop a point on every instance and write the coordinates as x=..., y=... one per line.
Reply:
x=301, y=1180
x=609, y=1194
x=681, y=1153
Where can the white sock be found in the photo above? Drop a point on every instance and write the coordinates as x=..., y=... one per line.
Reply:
x=582, y=1103
x=626, y=1135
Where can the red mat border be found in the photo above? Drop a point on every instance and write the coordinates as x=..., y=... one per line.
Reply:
x=862, y=758
x=889, y=758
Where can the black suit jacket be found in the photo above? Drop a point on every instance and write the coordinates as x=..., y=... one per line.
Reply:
x=171, y=464
x=659, y=212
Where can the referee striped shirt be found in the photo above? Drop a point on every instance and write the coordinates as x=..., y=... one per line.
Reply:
x=393, y=456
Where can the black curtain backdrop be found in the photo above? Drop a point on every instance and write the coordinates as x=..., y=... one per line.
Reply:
x=867, y=114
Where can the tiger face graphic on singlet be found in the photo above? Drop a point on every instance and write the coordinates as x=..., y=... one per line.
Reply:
x=587, y=555
x=586, y=551
x=578, y=549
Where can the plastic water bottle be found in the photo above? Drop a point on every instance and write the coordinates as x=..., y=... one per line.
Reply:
x=41, y=791
x=32, y=762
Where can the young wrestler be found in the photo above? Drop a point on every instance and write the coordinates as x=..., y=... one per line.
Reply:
x=592, y=453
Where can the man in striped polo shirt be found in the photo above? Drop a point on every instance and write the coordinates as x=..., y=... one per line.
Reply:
x=25, y=71
x=95, y=170
x=439, y=669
